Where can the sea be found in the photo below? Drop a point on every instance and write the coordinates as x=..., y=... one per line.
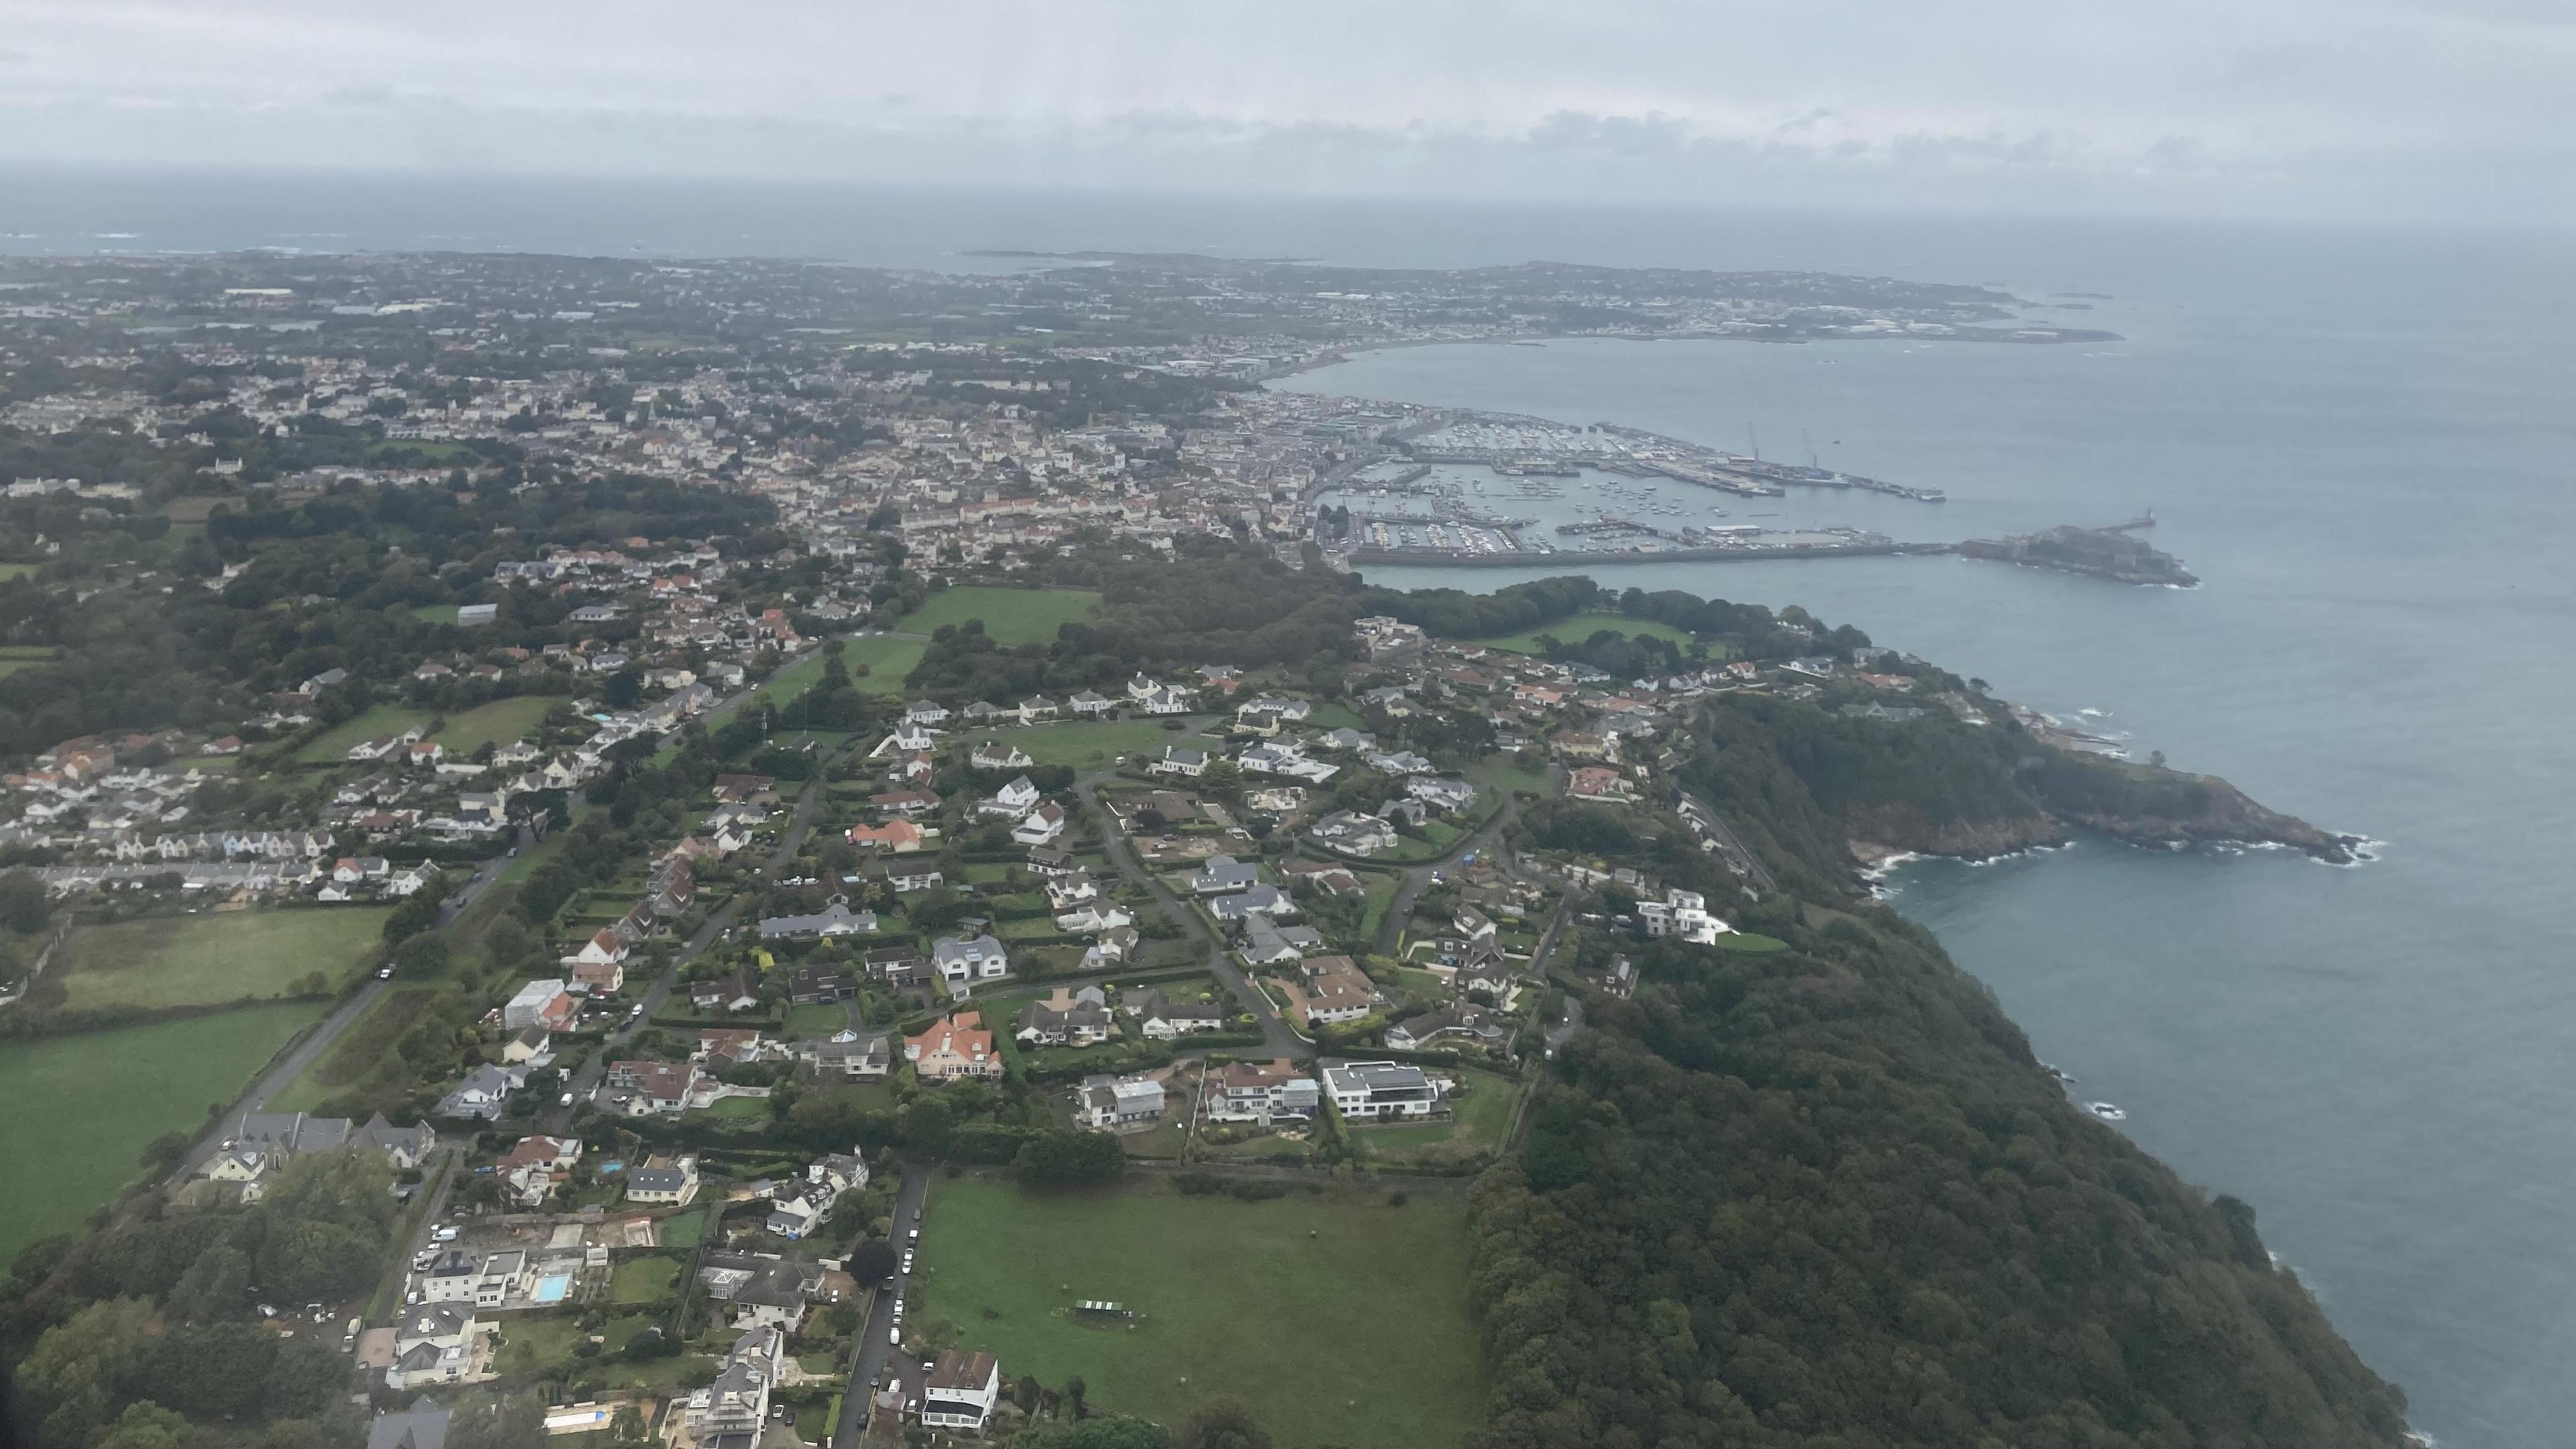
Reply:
x=2363, y=440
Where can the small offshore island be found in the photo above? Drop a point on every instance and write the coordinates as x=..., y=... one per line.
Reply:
x=2103, y=553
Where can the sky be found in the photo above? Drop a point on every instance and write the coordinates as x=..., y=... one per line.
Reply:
x=2405, y=110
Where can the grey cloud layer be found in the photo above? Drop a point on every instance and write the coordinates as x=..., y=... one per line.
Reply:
x=2380, y=107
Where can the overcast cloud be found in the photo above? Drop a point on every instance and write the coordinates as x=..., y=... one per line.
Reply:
x=2404, y=109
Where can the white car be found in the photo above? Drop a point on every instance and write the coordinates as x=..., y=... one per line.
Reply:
x=894, y=1335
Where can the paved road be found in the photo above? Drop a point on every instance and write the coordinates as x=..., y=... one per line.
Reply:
x=558, y=1119
x=875, y=1336
x=1277, y=1036
x=1417, y=878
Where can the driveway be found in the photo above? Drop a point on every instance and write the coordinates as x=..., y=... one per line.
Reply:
x=1417, y=878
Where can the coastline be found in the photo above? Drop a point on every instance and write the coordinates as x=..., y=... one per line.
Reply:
x=2057, y=336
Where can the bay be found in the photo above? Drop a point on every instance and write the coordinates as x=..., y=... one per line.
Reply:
x=2366, y=458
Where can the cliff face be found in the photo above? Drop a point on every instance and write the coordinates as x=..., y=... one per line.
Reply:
x=2170, y=809
x=2226, y=814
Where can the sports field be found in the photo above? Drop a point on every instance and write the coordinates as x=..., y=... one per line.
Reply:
x=209, y=959
x=86, y=1106
x=1097, y=741
x=1584, y=626
x=1340, y=1319
x=1011, y=616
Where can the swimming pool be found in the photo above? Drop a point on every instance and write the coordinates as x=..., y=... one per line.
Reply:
x=552, y=1288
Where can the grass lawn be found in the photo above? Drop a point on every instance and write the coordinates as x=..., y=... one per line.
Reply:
x=1267, y=1300
x=1011, y=616
x=12, y=664
x=86, y=1106
x=203, y=960
x=1475, y=1125
x=1751, y=943
x=1501, y=773
x=817, y=1018
x=1381, y=889
x=886, y=660
x=16, y=570
x=1584, y=626
x=497, y=723
x=334, y=743
x=683, y=1230
x=642, y=1280
x=739, y=1109
x=1093, y=742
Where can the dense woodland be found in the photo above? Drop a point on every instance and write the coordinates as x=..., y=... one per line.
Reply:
x=1827, y=1197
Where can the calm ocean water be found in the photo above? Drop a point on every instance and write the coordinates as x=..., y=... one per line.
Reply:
x=2361, y=441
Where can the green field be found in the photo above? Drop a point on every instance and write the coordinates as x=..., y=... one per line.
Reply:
x=86, y=1106
x=384, y=719
x=1584, y=626
x=16, y=657
x=1750, y=943
x=1476, y=1124
x=1011, y=616
x=1380, y=888
x=1502, y=773
x=1339, y=1319
x=497, y=723
x=887, y=661
x=1095, y=742
x=17, y=570
x=643, y=1280
x=209, y=959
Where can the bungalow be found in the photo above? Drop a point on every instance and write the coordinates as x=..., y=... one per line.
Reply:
x=895, y=837
x=1352, y=833
x=992, y=755
x=1597, y=782
x=906, y=803
x=733, y=991
x=1453, y=1025
x=925, y=712
x=1224, y=873
x=815, y=984
x=1037, y=707
x=897, y=966
x=1260, y=900
x=851, y=1055
x=1088, y=703
x=953, y=1047
x=482, y=1093
x=1331, y=989
x=1403, y=762
x=1092, y=917
x=835, y=919
x=649, y=1088
x=1266, y=943
x=1451, y=795
x=1161, y=1019
x=1076, y=1023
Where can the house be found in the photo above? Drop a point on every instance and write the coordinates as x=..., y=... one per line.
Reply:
x=1111, y=948
x=1597, y=782
x=531, y=1047
x=1439, y=794
x=1093, y=917
x=245, y=1170
x=1108, y=1103
x=1260, y=900
x=1683, y=914
x=897, y=966
x=434, y=1343
x=1037, y=707
x=907, y=803
x=1088, y=703
x=539, y=1001
x=1267, y=943
x=1333, y=880
x=1048, y=861
x=724, y=1046
x=1453, y=1025
x=961, y=1390
x=664, y=1179
x=422, y=1426
x=1042, y=826
x=835, y=919
x=1263, y=1092
x=895, y=837
x=607, y=946
x=798, y=1207
x=1365, y=1091
x=994, y=755
x=733, y=991
x=764, y=1290
x=534, y=1166
x=1403, y=762
x=953, y=1047
x=1352, y=833
x=1162, y=1019
x=732, y=1410
x=814, y=984
x=962, y=961
x=1074, y=1023
x=650, y=1088
x=852, y=1056
x=925, y=712
x=1016, y=798
x=1330, y=989
x=483, y=1092
x=1163, y=699
x=1178, y=761
x=1223, y=874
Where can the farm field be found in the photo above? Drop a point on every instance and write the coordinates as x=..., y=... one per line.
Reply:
x=887, y=662
x=1265, y=1300
x=1094, y=742
x=1011, y=616
x=1584, y=626
x=497, y=723
x=333, y=744
x=210, y=959
x=108, y=1094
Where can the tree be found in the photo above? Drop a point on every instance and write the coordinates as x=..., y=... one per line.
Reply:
x=422, y=956
x=145, y=1425
x=81, y=1366
x=216, y=1284
x=24, y=905
x=1066, y=1159
x=872, y=1261
x=515, y=1422
x=1222, y=1422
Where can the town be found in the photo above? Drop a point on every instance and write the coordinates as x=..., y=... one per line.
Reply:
x=740, y=883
